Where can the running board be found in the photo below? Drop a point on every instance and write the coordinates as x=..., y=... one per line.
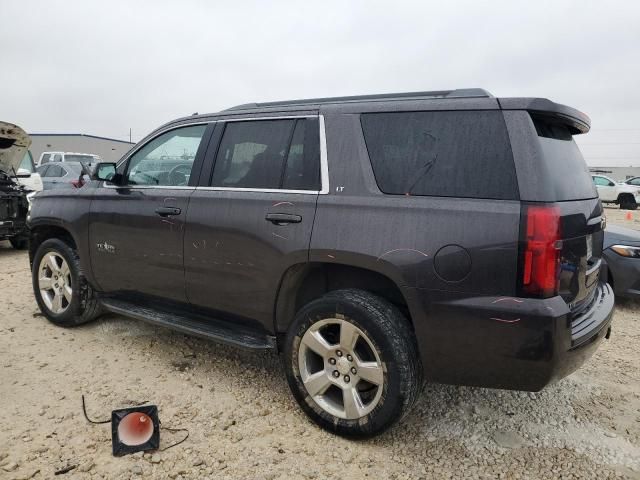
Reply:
x=211, y=329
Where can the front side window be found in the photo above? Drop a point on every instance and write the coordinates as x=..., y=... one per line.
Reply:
x=268, y=154
x=167, y=160
x=601, y=182
x=634, y=181
x=447, y=154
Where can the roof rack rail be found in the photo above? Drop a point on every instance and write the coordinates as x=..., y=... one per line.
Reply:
x=459, y=93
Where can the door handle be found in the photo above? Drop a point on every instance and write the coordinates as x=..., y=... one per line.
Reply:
x=282, y=218
x=167, y=211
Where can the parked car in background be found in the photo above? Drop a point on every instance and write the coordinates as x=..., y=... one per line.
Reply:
x=634, y=181
x=621, y=250
x=610, y=191
x=86, y=159
x=14, y=204
x=27, y=175
x=63, y=175
x=374, y=241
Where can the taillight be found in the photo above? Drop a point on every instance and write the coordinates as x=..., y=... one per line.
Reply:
x=541, y=250
x=77, y=183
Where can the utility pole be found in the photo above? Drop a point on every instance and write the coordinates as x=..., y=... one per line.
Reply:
x=130, y=135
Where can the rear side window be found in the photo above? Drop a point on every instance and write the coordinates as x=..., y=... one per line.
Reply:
x=447, y=154
x=564, y=165
x=56, y=171
x=269, y=154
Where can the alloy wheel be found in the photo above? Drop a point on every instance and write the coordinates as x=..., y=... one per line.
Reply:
x=341, y=368
x=54, y=282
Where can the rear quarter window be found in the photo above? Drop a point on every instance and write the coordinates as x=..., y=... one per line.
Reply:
x=563, y=162
x=448, y=154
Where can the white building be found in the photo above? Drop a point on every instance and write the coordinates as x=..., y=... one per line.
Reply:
x=617, y=173
x=109, y=149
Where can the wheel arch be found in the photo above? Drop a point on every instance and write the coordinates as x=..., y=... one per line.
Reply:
x=40, y=233
x=305, y=282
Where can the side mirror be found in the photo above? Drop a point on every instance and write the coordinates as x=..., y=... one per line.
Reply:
x=106, y=172
x=611, y=184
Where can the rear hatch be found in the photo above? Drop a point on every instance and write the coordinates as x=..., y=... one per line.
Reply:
x=562, y=227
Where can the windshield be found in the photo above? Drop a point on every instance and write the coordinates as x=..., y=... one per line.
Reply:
x=26, y=165
x=84, y=159
x=76, y=168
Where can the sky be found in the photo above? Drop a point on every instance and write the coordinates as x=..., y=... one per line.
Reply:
x=102, y=68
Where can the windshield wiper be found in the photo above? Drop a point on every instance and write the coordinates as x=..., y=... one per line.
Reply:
x=421, y=173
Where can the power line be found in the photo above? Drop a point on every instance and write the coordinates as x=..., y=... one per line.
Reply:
x=615, y=130
x=609, y=143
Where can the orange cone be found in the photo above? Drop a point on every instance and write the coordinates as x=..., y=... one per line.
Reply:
x=628, y=216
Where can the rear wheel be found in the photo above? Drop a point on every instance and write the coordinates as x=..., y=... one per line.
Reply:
x=60, y=288
x=352, y=363
x=627, y=202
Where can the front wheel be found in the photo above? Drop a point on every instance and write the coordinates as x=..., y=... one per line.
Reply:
x=60, y=288
x=627, y=202
x=352, y=363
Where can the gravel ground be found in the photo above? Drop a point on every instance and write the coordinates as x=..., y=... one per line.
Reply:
x=243, y=422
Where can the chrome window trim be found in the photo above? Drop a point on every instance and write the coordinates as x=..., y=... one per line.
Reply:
x=147, y=187
x=249, y=119
x=260, y=190
x=324, y=166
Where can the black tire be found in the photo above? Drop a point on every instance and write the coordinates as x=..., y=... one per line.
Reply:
x=84, y=305
x=393, y=338
x=19, y=243
x=627, y=202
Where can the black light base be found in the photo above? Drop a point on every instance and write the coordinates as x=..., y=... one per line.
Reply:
x=135, y=429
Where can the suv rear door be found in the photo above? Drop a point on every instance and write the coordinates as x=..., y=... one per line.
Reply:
x=251, y=217
x=551, y=171
x=137, y=228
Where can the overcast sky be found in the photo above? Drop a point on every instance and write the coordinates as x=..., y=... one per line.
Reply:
x=104, y=67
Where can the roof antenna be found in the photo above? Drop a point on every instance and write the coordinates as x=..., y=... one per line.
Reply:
x=194, y=113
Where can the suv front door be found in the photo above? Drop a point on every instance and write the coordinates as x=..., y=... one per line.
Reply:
x=251, y=218
x=137, y=227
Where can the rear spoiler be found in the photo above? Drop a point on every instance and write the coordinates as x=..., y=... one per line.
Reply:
x=577, y=121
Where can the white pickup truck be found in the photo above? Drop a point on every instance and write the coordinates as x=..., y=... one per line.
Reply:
x=623, y=194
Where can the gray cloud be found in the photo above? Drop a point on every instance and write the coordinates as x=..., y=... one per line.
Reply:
x=105, y=67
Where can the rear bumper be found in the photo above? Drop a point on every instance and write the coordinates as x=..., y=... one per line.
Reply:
x=506, y=342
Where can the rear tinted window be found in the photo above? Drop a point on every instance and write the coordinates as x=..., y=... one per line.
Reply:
x=564, y=165
x=448, y=154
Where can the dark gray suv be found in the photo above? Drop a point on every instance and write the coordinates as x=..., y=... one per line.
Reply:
x=377, y=242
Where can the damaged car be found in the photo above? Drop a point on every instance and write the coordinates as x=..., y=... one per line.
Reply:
x=14, y=201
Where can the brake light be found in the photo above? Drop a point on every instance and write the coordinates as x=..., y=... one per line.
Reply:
x=541, y=256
